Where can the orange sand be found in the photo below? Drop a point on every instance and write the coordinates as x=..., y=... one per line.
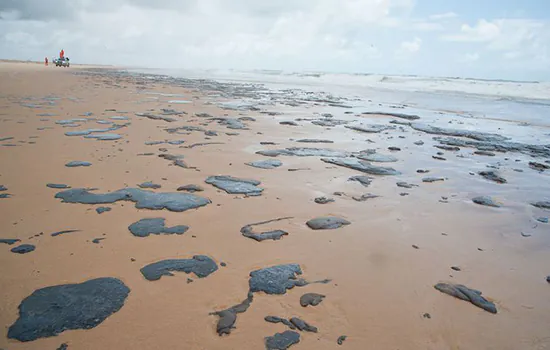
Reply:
x=380, y=287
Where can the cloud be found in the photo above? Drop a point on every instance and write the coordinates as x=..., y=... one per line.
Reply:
x=513, y=36
x=330, y=35
x=469, y=57
x=513, y=55
x=510, y=45
x=36, y=9
x=432, y=23
x=483, y=31
x=442, y=16
x=62, y=9
x=516, y=33
x=206, y=33
x=410, y=47
x=503, y=34
x=427, y=26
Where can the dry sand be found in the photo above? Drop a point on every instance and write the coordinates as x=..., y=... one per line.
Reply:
x=381, y=286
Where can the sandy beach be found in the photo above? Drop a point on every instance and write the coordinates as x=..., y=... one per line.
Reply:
x=410, y=235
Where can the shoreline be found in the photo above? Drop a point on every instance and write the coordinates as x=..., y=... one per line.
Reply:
x=79, y=65
x=522, y=91
x=499, y=108
x=381, y=284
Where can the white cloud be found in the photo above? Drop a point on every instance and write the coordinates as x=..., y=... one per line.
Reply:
x=410, y=47
x=513, y=55
x=512, y=39
x=294, y=34
x=469, y=57
x=427, y=26
x=517, y=46
x=442, y=16
x=504, y=34
x=515, y=33
x=483, y=31
x=331, y=35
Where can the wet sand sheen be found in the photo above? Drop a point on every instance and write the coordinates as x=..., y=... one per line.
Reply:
x=381, y=287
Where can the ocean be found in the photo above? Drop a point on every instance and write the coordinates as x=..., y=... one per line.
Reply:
x=519, y=109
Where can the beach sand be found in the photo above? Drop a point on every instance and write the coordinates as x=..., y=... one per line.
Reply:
x=381, y=286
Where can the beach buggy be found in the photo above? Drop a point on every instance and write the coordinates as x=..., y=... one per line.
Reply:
x=61, y=62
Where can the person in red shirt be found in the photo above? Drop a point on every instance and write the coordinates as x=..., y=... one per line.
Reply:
x=62, y=54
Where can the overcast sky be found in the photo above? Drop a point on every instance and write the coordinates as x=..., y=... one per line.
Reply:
x=506, y=39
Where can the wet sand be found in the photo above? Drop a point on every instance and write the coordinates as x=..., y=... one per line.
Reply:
x=380, y=285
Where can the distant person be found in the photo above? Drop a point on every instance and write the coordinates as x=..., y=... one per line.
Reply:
x=62, y=54
x=45, y=61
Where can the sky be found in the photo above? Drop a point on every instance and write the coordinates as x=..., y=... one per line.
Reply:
x=492, y=39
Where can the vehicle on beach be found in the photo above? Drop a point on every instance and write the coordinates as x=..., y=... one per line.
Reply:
x=62, y=62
